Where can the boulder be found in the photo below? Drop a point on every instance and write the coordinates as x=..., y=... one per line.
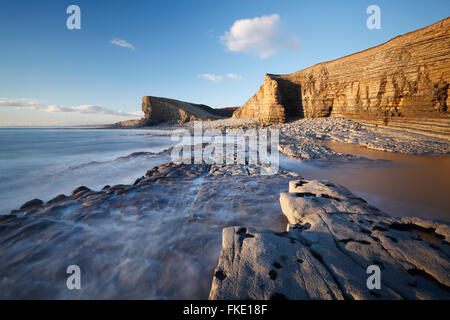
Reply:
x=31, y=204
x=328, y=248
x=80, y=189
x=317, y=196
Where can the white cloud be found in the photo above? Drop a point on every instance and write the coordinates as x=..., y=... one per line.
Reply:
x=84, y=109
x=211, y=77
x=19, y=103
x=262, y=36
x=122, y=43
x=234, y=76
x=217, y=77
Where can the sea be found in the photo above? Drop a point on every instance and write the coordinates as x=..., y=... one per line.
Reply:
x=44, y=162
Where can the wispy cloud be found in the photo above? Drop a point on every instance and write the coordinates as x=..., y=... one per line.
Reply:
x=33, y=104
x=19, y=103
x=122, y=43
x=217, y=77
x=211, y=77
x=262, y=36
x=234, y=76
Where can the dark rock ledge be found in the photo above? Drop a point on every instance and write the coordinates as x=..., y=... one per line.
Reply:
x=159, y=238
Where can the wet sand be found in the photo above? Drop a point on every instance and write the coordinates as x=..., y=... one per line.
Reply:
x=398, y=184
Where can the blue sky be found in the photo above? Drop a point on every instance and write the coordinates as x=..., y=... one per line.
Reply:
x=50, y=75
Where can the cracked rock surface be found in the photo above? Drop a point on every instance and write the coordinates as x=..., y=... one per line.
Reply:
x=301, y=139
x=305, y=139
x=332, y=238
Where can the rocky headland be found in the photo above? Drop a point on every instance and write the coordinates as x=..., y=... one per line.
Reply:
x=158, y=110
x=401, y=84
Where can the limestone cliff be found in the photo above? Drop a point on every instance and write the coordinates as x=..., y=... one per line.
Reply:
x=402, y=83
x=158, y=109
x=135, y=123
x=275, y=101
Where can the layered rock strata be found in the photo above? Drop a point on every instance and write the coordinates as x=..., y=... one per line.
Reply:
x=275, y=102
x=306, y=139
x=402, y=83
x=158, y=110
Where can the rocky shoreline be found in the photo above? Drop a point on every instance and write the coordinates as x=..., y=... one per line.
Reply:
x=256, y=236
x=156, y=239
x=331, y=239
x=304, y=139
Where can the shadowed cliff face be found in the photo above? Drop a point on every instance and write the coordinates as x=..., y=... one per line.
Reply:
x=158, y=109
x=276, y=101
x=404, y=79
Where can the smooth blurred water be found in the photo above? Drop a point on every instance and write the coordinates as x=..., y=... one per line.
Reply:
x=43, y=162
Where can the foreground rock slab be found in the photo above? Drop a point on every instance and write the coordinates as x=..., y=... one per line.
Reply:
x=327, y=248
x=317, y=196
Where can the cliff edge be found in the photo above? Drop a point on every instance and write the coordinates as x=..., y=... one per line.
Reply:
x=402, y=83
x=157, y=109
